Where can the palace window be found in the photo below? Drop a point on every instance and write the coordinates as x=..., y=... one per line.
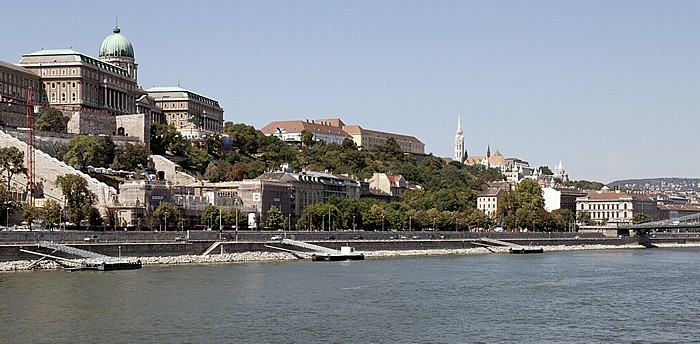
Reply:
x=74, y=71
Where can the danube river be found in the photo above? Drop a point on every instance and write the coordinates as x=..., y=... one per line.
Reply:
x=576, y=296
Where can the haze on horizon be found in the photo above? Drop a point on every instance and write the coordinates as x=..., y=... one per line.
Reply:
x=608, y=88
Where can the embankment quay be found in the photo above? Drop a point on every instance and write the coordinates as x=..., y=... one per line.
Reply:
x=152, y=244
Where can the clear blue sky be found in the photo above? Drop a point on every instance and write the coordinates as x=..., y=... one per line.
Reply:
x=611, y=88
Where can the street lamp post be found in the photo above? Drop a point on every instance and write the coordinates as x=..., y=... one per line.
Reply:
x=353, y=222
x=409, y=223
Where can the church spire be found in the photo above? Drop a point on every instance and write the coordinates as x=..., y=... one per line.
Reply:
x=459, y=141
x=459, y=124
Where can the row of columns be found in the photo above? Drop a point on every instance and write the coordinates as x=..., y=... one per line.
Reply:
x=117, y=100
x=210, y=124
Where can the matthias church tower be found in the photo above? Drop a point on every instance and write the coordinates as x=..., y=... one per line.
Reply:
x=459, y=141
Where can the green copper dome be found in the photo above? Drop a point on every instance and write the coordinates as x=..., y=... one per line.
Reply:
x=116, y=45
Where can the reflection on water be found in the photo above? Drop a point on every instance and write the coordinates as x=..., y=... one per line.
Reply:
x=590, y=296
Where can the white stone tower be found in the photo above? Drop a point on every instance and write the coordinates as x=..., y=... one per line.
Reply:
x=560, y=173
x=459, y=141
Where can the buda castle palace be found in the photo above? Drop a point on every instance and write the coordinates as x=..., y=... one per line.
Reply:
x=101, y=95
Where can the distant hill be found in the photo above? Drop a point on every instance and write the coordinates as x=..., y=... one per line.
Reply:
x=658, y=184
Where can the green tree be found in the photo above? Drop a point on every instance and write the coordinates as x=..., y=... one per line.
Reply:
x=109, y=148
x=245, y=137
x=168, y=214
x=166, y=139
x=545, y=170
x=131, y=156
x=230, y=218
x=529, y=195
x=78, y=196
x=93, y=216
x=563, y=219
x=11, y=163
x=478, y=219
x=214, y=145
x=218, y=171
x=275, y=219
x=30, y=213
x=585, y=185
x=196, y=159
x=639, y=217
x=237, y=171
x=52, y=213
x=584, y=218
x=7, y=204
x=210, y=217
x=307, y=138
x=51, y=120
x=84, y=150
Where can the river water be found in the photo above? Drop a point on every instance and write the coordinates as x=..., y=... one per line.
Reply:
x=618, y=296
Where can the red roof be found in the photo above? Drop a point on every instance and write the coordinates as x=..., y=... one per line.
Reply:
x=490, y=192
x=679, y=207
x=296, y=126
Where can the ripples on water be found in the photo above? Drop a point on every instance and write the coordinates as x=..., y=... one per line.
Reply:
x=585, y=296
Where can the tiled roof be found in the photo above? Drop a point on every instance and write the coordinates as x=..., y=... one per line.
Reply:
x=617, y=195
x=357, y=130
x=477, y=159
x=296, y=126
x=679, y=207
x=490, y=192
